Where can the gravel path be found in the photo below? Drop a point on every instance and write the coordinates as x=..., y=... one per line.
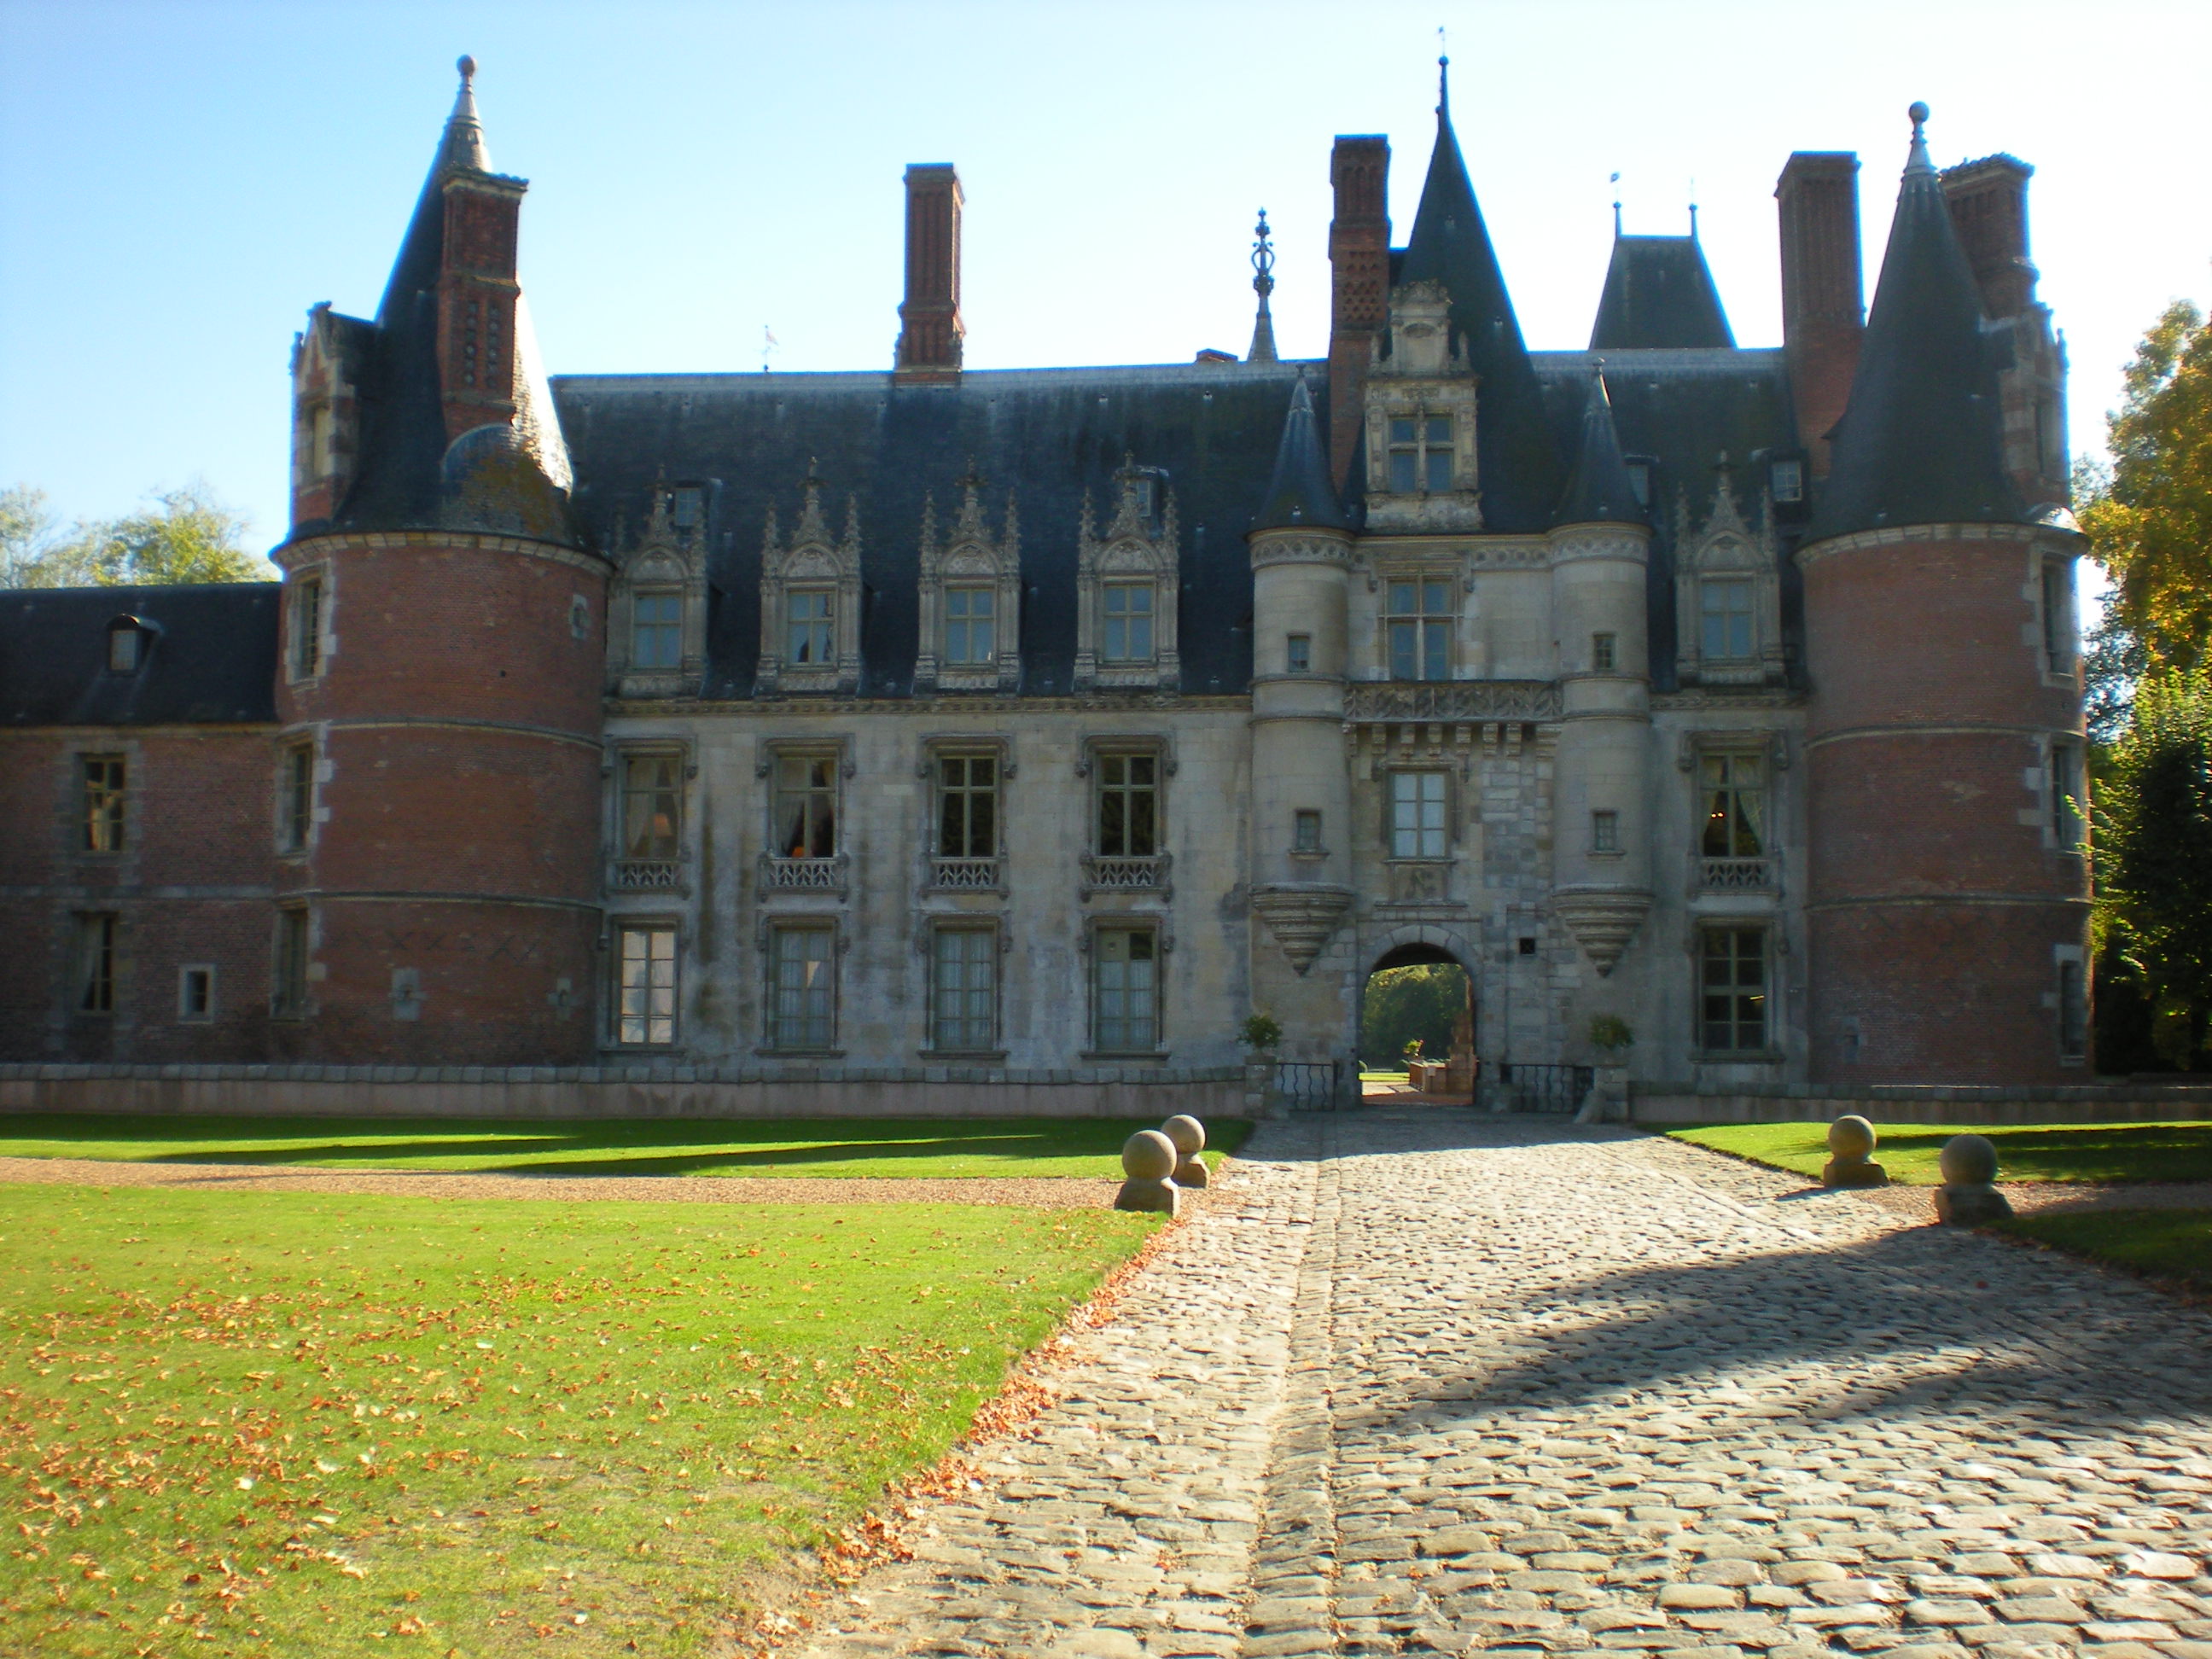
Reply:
x=1043, y=1193
x=1439, y=1384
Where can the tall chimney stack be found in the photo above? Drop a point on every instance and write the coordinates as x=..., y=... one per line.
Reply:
x=1823, y=304
x=1359, y=280
x=929, y=330
x=1988, y=201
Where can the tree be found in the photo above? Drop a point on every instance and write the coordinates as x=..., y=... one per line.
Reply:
x=2148, y=515
x=190, y=539
x=1404, y=1004
x=2155, y=859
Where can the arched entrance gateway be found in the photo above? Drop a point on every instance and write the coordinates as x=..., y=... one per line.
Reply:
x=1420, y=987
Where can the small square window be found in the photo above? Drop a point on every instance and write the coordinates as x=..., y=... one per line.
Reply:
x=1605, y=832
x=1306, y=825
x=1787, y=480
x=196, y=993
x=1527, y=945
x=1297, y=653
x=1601, y=654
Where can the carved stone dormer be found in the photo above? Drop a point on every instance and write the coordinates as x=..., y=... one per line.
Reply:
x=1422, y=474
x=1727, y=591
x=811, y=601
x=1128, y=581
x=657, y=608
x=971, y=598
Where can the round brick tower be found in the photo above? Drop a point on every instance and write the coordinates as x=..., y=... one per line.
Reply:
x=438, y=777
x=1947, y=908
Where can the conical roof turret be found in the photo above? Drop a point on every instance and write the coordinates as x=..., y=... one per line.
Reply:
x=1450, y=245
x=1921, y=440
x=460, y=149
x=1299, y=492
x=1599, y=490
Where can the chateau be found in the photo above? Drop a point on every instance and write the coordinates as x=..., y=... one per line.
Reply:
x=1042, y=724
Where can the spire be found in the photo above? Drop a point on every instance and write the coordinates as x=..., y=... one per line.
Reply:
x=1599, y=490
x=1299, y=493
x=463, y=145
x=1450, y=244
x=1263, y=284
x=461, y=149
x=1921, y=440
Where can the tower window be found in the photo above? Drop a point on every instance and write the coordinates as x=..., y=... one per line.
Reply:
x=1421, y=453
x=105, y=802
x=1786, y=479
x=196, y=991
x=2073, y=1012
x=1419, y=628
x=1605, y=832
x=1601, y=654
x=291, y=997
x=971, y=625
x=1306, y=830
x=296, y=820
x=1732, y=990
x=2066, y=816
x=1418, y=827
x=656, y=630
x=1297, y=653
x=1725, y=608
x=2057, y=637
x=308, y=628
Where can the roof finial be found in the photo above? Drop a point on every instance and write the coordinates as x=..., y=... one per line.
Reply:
x=467, y=65
x=1444, y=77
x=1918, y=161
x=1263, y=284
x=1616, y=207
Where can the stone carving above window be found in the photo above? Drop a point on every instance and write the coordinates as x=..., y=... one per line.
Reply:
x=811, y=601
x=1728, y=593
x=971, y=595
x=1422, y=474
x=657, y=607
x=1128, y=579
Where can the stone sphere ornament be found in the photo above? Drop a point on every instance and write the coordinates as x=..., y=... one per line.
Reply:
x=1851, y=1161
x=1968, y=1196
x=1189, y=1137
x=1148, y=1158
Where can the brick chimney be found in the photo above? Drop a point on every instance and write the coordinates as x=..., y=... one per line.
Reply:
x=477, y=295
x=929, y=330
x=1359, y=273
x=1823, y=307
x=1988, y=201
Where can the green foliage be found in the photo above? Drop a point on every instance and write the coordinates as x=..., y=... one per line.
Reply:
x=1412, y=1050
x=1260, y=1033
x=1410, y=1005
x=1610, y=1033
x=2163, y=1243
x=855, y=1146
x=2119, y=1152
x=283, y=1423
x=2149, y=514
x=2154, y=855
x=192, y=539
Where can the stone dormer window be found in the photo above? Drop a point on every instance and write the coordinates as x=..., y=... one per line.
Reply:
x=970, y=596
x=810, y=602
x=1421, y=408
x=1127, y=580
x=657, y=626
x=1727, y=598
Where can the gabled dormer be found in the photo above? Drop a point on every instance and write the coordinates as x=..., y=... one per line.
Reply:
x=1128, y=579
x=657, y=605
x=1728, y=590
x=970, y=599
x=1422, y=473
x=810, y=602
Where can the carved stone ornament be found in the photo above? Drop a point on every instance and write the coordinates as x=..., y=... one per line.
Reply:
x=1727, y=548
x=1603, y=920
x=1139, y=549
x=810, y=563
x=1452, y=700
x=982, y=571
x=663, y=563
x=1302, y=916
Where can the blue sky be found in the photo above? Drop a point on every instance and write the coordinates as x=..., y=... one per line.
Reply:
x=179, y=181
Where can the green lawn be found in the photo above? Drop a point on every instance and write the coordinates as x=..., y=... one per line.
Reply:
x=2165, y=1243
x=721, y=1146
x=297, y=1423
x=2037, y=1152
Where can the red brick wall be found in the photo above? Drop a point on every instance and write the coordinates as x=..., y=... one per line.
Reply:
x=191, y=886
x=1936, y=896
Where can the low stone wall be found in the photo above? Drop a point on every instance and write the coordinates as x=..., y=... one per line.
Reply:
x=630, y=1092
x=2117, y=1103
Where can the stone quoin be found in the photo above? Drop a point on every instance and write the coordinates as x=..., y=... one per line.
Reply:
x=1043, y=725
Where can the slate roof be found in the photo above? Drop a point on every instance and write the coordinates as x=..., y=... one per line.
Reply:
x=211, y=658
x=1298, y=490
x=1922, y=437
x=1659, y=293
x=1599, y=489
x=1048, y=434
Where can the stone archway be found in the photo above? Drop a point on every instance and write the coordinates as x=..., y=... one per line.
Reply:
x=1427, y=946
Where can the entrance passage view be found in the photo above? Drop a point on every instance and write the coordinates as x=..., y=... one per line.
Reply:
x=1417, y=1027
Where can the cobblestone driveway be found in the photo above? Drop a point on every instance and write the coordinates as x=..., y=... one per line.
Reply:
x=1436, y=1383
